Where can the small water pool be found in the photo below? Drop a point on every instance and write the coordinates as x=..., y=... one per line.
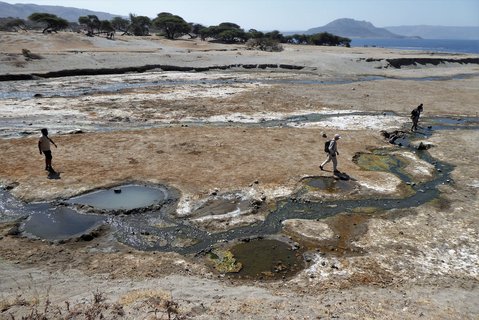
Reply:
x=267, y=259
x=329, y=184
x=60, y=224
x=127, y=197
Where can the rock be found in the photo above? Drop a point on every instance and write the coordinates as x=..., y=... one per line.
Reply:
x=86, y=237
x=38, y=95
x=385, y=134
x=14, y=231
x=424, y=146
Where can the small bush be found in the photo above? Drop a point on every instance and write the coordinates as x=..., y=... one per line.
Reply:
x=264, y=44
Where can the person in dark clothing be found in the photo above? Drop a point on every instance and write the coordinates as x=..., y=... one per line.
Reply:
x=44, y=148
x=415, y=113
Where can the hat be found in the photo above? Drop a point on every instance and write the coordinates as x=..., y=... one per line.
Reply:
x=337, y=136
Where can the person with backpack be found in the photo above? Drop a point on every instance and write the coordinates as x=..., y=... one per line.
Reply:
x=44, y=147
x=415, y=113
x=331, y=148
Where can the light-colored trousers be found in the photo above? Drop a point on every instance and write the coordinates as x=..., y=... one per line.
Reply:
x=331, y=158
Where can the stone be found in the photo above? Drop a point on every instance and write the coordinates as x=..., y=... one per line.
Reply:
x=423, y=145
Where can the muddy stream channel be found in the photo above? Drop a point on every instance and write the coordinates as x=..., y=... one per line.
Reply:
x=144, y=216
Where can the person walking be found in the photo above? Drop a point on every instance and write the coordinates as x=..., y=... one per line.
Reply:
x=415, y=113
x=332, y=151
x=44, y=147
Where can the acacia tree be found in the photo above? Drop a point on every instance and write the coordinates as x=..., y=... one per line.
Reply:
x=120, y=24
x=50, y=21
x=328, y=39
x=139, y=25
x=15, y=24
x=195, y=29
x=275, y=35
x=254, y=34
x=171, y=25
x=106, y=27
x=91, y=22
x=227, y=32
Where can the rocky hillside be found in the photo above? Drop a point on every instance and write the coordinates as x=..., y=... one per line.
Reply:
x=351, y=28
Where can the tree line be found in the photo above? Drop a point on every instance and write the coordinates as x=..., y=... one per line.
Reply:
x=172, y=27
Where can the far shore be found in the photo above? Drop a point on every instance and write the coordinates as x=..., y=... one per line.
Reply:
x=75, y=54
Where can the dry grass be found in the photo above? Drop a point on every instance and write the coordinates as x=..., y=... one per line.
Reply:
x=41, y=308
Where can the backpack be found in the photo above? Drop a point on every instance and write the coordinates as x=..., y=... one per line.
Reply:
x=326, y=146
x=414, y=113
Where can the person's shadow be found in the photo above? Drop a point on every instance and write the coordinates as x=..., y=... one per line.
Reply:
x=53, y=175
x=342, y=176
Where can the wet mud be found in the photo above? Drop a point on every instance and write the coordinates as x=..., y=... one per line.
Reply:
x=331, y=185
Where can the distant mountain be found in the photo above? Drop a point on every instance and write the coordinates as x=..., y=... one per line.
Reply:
x=351, y=28
x=22, y=11
x=437, y=32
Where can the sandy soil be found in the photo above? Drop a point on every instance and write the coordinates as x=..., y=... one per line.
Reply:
x=203, y=133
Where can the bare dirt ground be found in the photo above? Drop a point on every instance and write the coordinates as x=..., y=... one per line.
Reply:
x=205, y=133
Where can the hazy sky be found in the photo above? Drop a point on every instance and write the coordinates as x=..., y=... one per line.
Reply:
x=291, y=15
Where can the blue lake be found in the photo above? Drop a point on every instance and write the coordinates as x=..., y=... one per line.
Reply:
x=432, y=45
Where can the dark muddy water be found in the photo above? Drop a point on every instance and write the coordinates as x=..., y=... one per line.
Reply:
x=267, y=259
